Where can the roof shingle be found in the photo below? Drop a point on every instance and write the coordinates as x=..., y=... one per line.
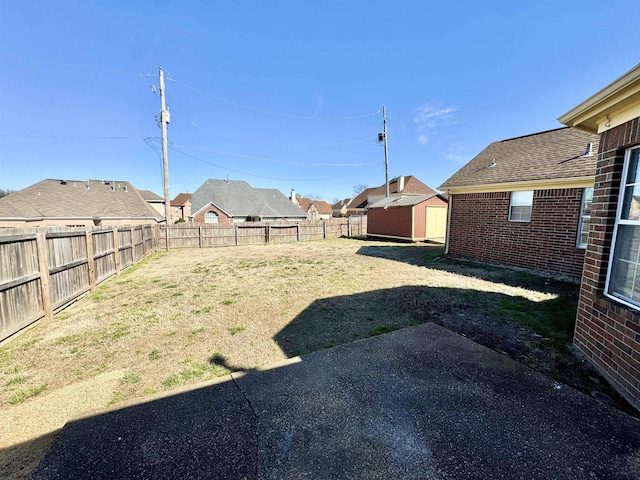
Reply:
x=77, y=199
x=550, y=155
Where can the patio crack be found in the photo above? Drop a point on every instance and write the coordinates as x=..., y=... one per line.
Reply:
x=253, y=412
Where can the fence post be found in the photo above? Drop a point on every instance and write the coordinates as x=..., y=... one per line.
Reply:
x=43, y=266
x=236, y=232
x=324, y=229
x=349, y=227
x=297, y=232
x=267, y=233
x=91, y=267
x=200, y=235
x=116, y=251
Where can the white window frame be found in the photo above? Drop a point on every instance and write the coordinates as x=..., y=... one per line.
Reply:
x=584, y=217
x=512, y=204
x=623, y=184
x=215, y=215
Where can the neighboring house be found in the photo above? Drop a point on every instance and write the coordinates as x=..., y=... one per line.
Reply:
x=181, y=207
x=76, y=203
x=316, y=209
x=156, y=201
x=234, y=201
x=525, y=202
x=414, y=218
x=339, y=209
x=398, y=187
x=608, y=321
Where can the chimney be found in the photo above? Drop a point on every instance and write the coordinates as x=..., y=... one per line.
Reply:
x=293, y=196
x=400, y=183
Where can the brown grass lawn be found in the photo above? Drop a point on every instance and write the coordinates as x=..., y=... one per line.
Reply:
x=191, y=315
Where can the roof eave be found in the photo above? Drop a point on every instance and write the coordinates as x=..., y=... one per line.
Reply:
x=615, y=97
x=546, y=184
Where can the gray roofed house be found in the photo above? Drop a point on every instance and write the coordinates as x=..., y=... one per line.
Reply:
x=525, y=202
x=76, y=203
x=229, y=201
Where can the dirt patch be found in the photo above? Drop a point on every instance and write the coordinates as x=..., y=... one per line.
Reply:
x=191, y=315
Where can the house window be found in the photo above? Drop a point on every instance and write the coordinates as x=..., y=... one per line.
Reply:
x=585, y=217
x=520, y=206
x=623, y=277
x=211, y=217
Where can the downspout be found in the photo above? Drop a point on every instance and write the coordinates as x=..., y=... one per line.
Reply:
x=446, y=236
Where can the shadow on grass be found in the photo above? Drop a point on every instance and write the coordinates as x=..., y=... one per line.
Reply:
x=494, y=319
x=432, y=256
x=174, y=435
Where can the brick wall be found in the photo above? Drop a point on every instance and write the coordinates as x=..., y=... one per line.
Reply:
x=608, y=332
x=222, y=217
x=480, y=230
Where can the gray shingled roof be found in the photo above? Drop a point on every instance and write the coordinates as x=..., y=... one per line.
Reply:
x=550, y=155
x=72, y=199
x=238, y=199
x=401, y=201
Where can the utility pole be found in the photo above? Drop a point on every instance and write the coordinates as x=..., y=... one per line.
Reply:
x=386, y=152
x=164, y=120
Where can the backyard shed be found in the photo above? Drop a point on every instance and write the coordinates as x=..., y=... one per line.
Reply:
x=414, y=218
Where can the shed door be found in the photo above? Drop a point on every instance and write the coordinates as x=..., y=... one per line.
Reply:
x=436, y=222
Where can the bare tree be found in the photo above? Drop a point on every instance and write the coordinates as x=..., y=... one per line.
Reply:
x=312, y=196
x=4, y=192
x=358, y=189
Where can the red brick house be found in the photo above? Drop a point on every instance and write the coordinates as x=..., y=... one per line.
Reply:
x=525, y=202
x=608, y=321
x=181, y=207
x=414, y=218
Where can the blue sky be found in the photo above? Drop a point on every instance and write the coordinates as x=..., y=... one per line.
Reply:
x=285, y=94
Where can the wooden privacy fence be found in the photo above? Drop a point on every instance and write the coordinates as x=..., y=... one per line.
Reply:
x=189, y=235
x=43, y=270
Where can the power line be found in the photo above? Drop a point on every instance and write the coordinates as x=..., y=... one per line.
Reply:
x=278, y=144
x=67, y=137
x=252, y=157
x=252, y=174
x=269, y=112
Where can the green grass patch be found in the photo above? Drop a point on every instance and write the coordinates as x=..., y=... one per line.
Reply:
x=380, y=329
x=198, y=311
x=115, y=331
x=130, y=379
x=63, y=316
x=154, y=354
x=149, y=391
x=117, y=398
x=171, y=285
x=553, y=319
x=237, y=329
x=19, y=380
x=67, y=339
x=23, y=395
x=228, y=302
x=197, y=331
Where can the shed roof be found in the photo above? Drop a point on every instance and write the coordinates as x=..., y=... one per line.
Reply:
x=550, y=155
x=411, y=186
x=77, y=199
x=402, y=201
x=238, y=199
